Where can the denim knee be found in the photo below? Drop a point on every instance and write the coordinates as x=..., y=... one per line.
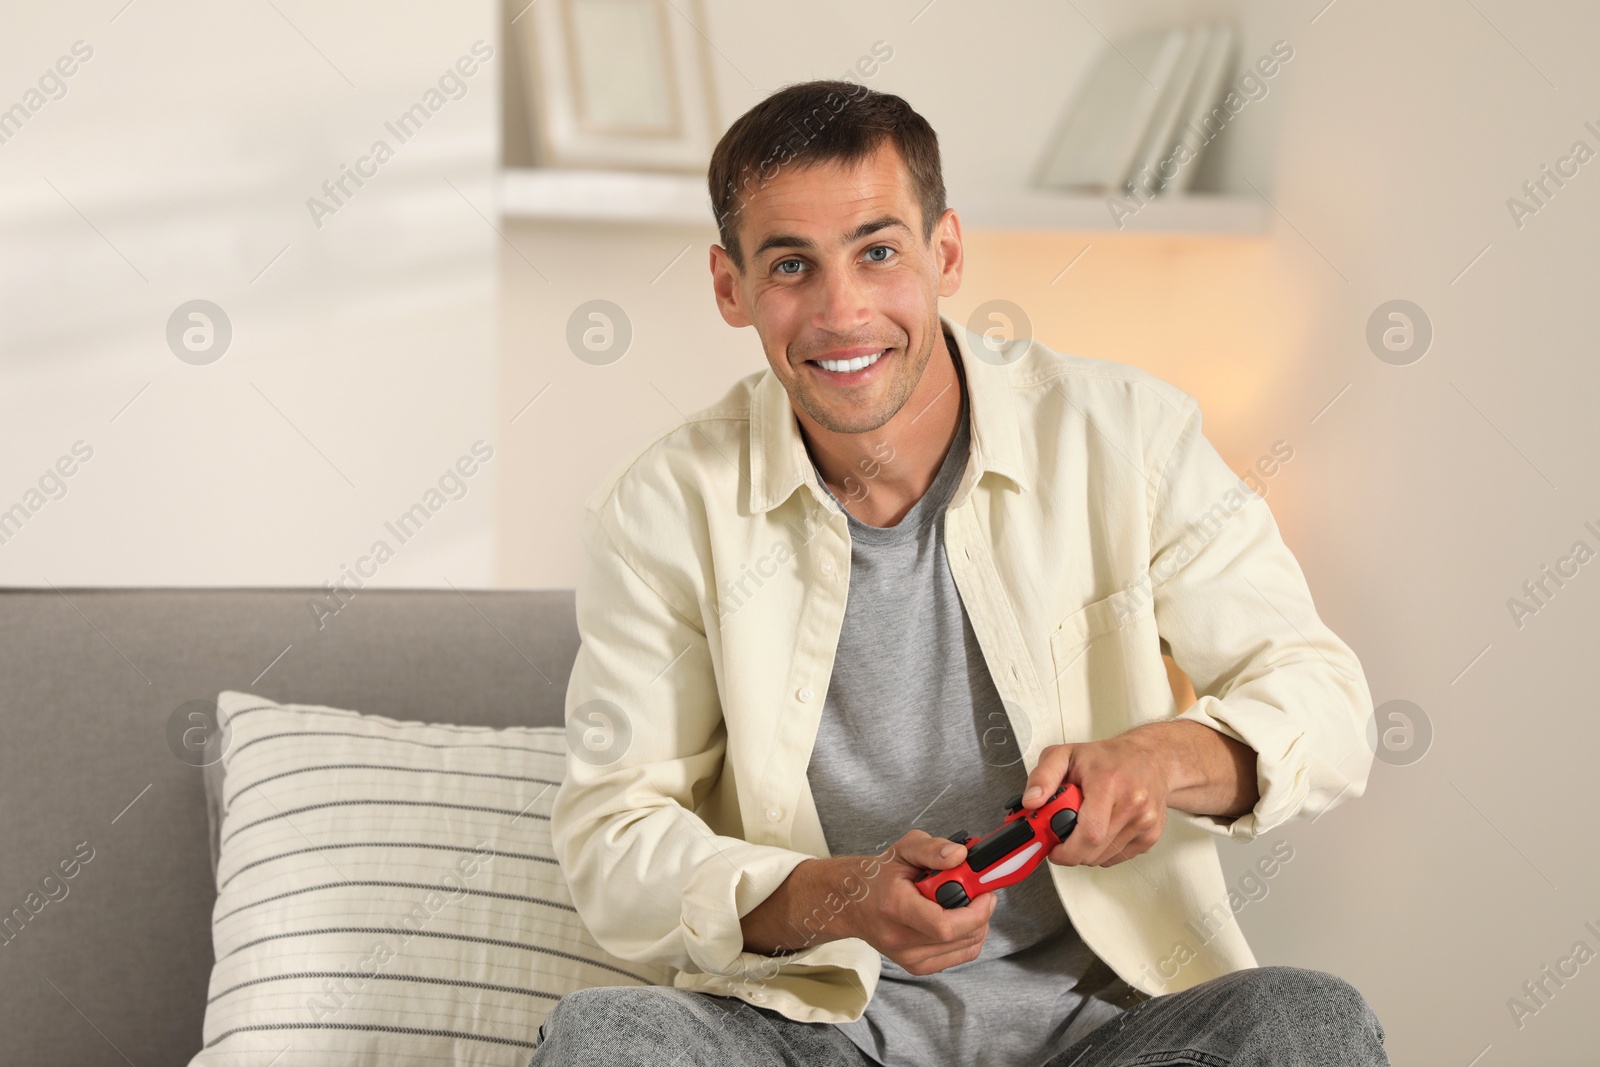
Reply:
x=1306, y=997
x=654, y=1011
x=596, y=1008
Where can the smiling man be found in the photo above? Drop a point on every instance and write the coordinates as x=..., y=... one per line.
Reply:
x=901, y=579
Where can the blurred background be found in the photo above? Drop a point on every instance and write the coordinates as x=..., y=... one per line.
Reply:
x=256, y=341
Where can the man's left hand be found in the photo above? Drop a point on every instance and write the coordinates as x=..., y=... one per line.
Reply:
x=1125, y=791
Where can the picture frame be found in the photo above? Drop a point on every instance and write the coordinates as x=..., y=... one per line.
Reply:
x=617, y=84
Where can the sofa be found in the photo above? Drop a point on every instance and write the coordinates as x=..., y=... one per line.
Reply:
x=115, y=971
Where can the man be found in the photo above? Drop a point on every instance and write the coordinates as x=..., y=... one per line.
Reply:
x=885, y=585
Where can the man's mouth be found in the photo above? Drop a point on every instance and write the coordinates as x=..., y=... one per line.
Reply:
x=847, y=369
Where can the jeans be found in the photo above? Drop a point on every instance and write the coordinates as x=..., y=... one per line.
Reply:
x=1285, y=1016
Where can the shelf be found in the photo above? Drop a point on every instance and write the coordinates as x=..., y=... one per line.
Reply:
x=619, y=196
x=603, y=195
x=1196, y=213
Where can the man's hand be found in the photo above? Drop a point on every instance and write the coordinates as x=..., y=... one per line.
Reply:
x=1129, y=781
x=884, y=909
x=897, y=920
x=1124, y=784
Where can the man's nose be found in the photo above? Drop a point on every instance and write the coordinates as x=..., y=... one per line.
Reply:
x=843, y=309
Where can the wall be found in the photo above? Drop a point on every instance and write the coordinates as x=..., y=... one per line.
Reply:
x=178, y=165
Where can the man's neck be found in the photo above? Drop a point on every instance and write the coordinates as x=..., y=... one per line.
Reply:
x=879, y=476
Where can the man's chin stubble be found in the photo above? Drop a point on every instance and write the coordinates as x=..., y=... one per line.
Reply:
x=823, y=418
x=827, y=421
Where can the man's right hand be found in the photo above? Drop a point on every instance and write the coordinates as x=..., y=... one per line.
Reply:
x=885, y=909
x=913, y=931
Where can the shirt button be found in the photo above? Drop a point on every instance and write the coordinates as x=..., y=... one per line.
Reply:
x=758, y=995
x=827, y=566
x=804, y=693
x=774, y=814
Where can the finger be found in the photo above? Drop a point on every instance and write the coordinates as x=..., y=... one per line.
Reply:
x=1116, y=851
x=935, y=923
x=966, y=940
x=1120, y=854
x=1095, y=829
x=1047, y=774
x=973, y=916
x=1139, y=835
x=1115, y=834
x=954, y=953
x=968, y=950
x=1133, y=815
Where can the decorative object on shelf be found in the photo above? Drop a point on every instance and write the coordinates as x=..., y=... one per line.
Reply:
x=1139, y=121
x=617, y=84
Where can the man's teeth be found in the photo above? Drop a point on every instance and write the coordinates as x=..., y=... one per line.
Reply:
x=842, y=366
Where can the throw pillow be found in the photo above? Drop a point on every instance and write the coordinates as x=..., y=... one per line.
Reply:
x=386, y=891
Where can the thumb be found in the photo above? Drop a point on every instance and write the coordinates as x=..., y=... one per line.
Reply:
x=1047, y=775
x=922, y=849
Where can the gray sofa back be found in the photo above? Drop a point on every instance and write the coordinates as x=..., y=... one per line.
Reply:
x=116, y=970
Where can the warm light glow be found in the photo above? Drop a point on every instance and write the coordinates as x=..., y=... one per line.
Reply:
x=1214, y=315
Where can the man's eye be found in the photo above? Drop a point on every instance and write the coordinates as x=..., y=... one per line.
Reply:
x=788, y=263
x=881, y=248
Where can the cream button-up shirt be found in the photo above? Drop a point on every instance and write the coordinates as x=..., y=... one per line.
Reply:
x=1094, y=524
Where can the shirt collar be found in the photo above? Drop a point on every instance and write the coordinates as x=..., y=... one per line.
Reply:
x=779, y=463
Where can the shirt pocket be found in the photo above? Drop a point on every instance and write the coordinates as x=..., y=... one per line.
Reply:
x=1109, y=674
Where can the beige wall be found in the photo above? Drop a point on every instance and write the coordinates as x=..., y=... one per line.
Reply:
x=178, y=165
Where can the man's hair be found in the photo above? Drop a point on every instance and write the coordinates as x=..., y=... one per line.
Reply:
x=818, y=122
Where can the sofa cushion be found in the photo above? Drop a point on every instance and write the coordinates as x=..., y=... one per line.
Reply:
x=387, y=889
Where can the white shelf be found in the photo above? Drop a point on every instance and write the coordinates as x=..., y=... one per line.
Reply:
x=603, y=195
x=1191, y=213
x=619, y=196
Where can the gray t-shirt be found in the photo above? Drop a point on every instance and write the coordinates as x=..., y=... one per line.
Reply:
x=914, y=734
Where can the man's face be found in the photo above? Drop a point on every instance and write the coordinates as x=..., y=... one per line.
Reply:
x=841, y=287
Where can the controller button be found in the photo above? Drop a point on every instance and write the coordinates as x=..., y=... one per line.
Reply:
x=952, y=895
x=1014, y=804
x=1063, y=822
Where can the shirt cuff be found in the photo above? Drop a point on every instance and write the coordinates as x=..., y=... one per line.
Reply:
x=723, y=890
x=1283, y=772
x=829, y=982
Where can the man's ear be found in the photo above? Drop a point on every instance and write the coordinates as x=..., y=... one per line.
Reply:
x=725, y=285
x=947, y=252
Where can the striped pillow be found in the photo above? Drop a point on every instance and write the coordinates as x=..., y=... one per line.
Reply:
x=386, y=891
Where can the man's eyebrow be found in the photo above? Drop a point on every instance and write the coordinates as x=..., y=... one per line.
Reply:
x=786, y=240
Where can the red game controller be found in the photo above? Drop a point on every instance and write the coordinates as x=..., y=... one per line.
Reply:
x=1009, y=854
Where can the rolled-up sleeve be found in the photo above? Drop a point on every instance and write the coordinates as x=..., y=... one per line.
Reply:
x=650, y=879
x=1234, y=606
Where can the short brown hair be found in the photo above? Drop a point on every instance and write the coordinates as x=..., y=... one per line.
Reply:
x=815, y=122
